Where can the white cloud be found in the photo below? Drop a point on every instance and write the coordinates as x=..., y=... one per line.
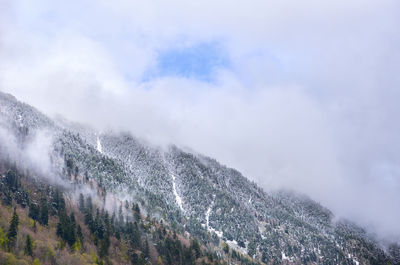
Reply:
x=309, y=102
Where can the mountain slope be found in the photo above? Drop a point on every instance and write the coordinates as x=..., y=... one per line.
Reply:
x=191, y=193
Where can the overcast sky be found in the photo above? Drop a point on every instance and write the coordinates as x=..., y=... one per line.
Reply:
x=295, y=94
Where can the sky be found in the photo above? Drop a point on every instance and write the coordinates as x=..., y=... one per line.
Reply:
x=300, y=95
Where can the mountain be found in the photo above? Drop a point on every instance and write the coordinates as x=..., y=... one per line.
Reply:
x=193, y=197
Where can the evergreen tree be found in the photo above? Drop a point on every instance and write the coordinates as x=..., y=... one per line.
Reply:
x=103, y=246
x=79, y=234
x=81, y=203
x=12, y=180
x=66, y=228
x=34, y=211
x=226, y=248
x=28, y=246
x=89, y=204
x=137, y=212
x=76, y=173
x=134, y=235
x=196, y=247
x=107, y=222
x=58, y=201
x=44, y=212
x=7, y=197
x=120, y=215
x=146, y=250
x=251, y=248
x=13, y=230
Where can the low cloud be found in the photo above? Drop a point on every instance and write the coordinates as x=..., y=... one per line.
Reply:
x=309, y=101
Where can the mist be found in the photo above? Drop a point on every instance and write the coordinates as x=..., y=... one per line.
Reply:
x=294, y=95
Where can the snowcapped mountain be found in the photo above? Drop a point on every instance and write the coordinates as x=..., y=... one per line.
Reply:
x=192, y=193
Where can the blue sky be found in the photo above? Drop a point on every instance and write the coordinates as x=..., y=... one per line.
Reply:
x=199, y=61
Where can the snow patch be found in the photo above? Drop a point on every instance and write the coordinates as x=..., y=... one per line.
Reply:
x=234, y=245
x=284, y=257
x=20, y=120
x=209, y=228
x=354, y=260
x=99, y=145
x=178, y=198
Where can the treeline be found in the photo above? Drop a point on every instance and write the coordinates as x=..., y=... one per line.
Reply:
x=136, y=232
x=147, y=240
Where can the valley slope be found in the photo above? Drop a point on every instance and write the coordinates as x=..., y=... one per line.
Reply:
x=194, y=195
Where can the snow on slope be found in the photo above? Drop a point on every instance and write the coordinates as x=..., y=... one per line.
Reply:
x=99, y=145
x=177, y=197
x=209, y=228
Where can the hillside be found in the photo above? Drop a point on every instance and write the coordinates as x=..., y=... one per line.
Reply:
x=138, y=203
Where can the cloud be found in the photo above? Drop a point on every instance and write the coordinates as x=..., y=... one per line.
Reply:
x=308, y=100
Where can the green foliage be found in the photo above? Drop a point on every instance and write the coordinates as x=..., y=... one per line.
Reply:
x=44, y=212
x=251, y=248
x=58, y=201
x=79, y=234
x=146, y=250
x=28, y=246
x=137, y=212
x=225, y=247
x=66, y=228
x=77, y=246
x=11, y=180
x=13, y=230
x=81, y=203
x=36, y=262
x=196, y=247
x=34, y=211
x=3, y=239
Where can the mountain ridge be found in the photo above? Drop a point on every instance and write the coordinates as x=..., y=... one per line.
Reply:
x=197, y=195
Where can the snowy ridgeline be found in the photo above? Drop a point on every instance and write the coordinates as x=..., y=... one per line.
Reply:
x=265, y=219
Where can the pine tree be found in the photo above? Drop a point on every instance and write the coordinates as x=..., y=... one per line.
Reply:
x=81, y=203
x=28, y=246
x=13, y=230
x=44, y=212
x=7, y=197
x=134, y=235
x=89, y=204
x=71, y=232
x=196, y=247
x=226, y=248
x=251, y=248
x=79, y=234
x=66, y=228
x=120, y=215
x=34, y=211
x=58, y=201
x=11, y=180
x=104, y=245
x=146, y=250
x=137, y=212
